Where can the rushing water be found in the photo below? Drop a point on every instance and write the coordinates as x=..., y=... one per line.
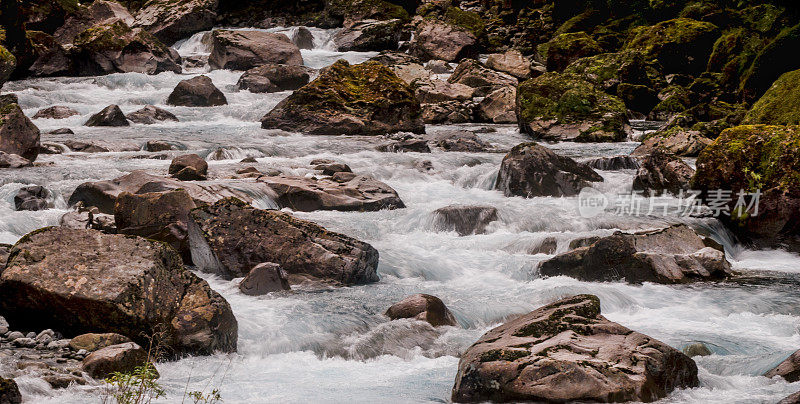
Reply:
x=335, y=345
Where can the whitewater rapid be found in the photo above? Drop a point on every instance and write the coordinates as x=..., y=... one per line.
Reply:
x=335, y=345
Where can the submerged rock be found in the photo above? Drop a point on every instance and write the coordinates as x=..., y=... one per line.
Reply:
x=151, y=114
x=244, y=50
x=464, y=220
x=113, y=283
x=789, y=369
x=55, y=112
x=672, y=255
x=566, y=351
x=13, y=161
x=303, y=249
x=459, y=141
x=264, y=278
x=196, y=92
x=614, y=163
x=189, y=167
x=660, y=171
x=422, y=307
x=531, y=170
x=109, y=116
x=362, y=99
x=270, y=78
x=696, y=349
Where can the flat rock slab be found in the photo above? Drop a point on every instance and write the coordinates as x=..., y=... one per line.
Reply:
x=343, y=191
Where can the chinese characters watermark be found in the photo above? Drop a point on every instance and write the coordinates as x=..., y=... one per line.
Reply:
x=718, y=202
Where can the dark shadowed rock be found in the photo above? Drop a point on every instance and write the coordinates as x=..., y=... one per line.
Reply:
x=369, y=35
x=531, y=169
x=196, y=92
x=61, y=131
x=244, y=50
x=439, y=40
x=55, y=112
x=92, y=341
x=661, y=171
x=151, y=114
x=172, y=21
x=331, y=168
x=672, y=255
x=789, y=369
x=135, y=288
x=614, y=163
x=109, y=116
x=303, y=38
x=303, y=249
x=344, y=191
x=9, y=392
x=188, y=167
x=566, y=351
x=18, y=135
x=31, y=198
x=157, y=146
x=270, y=78
x=13, y=161
x=121, y=358
x=264, y=278
x=411, y=144
x=464, y=220
x=424, y=308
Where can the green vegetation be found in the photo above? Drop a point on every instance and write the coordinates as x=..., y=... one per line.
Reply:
x=566, y=48
x=776, y=58
x=465, y=19
x=681, y=45
x=780, y=105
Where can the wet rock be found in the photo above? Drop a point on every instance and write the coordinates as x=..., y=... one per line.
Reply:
x=303, y=38
x=157, y=146
x=55, y=112
x=696, y=349
x=439, y=40
x=331, y=168
x=171, y=21
x=249, y=171
x=464, y=220
x=405, y=145
x=9, y=392
x=244, y=50
x=109, y=116
x=133, y=288
x=567, y=351
x=62, y=381
x=422, y=307
x=151, y=114
x=31, y=198
x=499, y=106
x=61, y=131
x=531, y=170
x=680, y=142
x=270, y=78
x=196, y=92
x=264, y=278
x=459, y=141
x=789, y=369
x=614, y=163
x=249, y=160
x=13, y=161
x=188, y=167
x=98, y=13
x=363, y=99
x=92, y=342
x=369, y=35
x=660, y=171
x=791, y=399
x=433, y=91
x=672, y=255
x=303, y=249
x=511, y=62
x=18, y=135
x=340, y=192
x=472, y=73
x=122, y=358
x=161, y=216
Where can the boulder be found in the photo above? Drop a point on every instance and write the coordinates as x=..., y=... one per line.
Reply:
x=49, y=57
x=780, y=105
x=344, y=191
x=791, y=399
x=84, y=147
x=408, y=68
x=188, y=167
x=303, y=38
x=89, y=218
x=607, y=71
x=109, y=116
x=135, y=288
x=244, y=50
x=13, y=161
x=120, y=358
x=116, y=48
x=157, y=146
x=677, y=141
x=672, y=255
x=7, y=64
x=264, y=278
x=472, y=73
x=55, y=112
x=92, y=342
x=411, y=144
x=433, y=91
x=9, y=392
x=566, y=107
x=661, y=171
x=422, y=307
x=59, y=131
x=303, y=249
x=440, y=40
x=448, y=112
x=363, y=99
x=330, y=167
x=18, y=135
x=369, y=35
x=499, y=106
x=100, y=12
x=696, y=349
x=151, y=114
x=614, y=163
x=567, y=351
x=32, y=198
x=682, y=45
x=772, y=60
x=441, y=67
x=789, y=369
x=161, y=216
x=531, y=170
x=511, y=62
x=567, y=48
x=464, y=220
x=196, y=92
x=270, y=78
x=459, y=141
x=172, y=21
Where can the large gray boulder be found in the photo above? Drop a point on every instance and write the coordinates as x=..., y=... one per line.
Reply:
x=120, y=358
x=150, y=114
x=369, y=35
x=471, y=72
x=110, y=116
x=198, y=91
x=244, y=50
x=567, y=351
x=342, y=191
x=673, y=255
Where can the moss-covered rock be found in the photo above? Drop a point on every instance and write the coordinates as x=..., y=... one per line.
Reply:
x=676, y=140
x=674, y=100
x=607, y=70
x=776, y=58
x=468, y=20
x=351, y=11
x=681, y=45
x=7, y=64
x=567, y=48
x=567, y=107
x=362, y=99
x=757, y=157
x=780, y=105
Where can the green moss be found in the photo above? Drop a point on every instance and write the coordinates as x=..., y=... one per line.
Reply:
x=506, y=355
x=763, y=18
x=774, y=59
x=566, y=48
x=469, y=20
x=104, y=37
x=676, y=100
x=780, y=105
x=7, y=64
x=607, y=69
x=681, y=45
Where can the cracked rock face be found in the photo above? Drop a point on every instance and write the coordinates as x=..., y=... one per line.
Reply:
x=567, y=351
